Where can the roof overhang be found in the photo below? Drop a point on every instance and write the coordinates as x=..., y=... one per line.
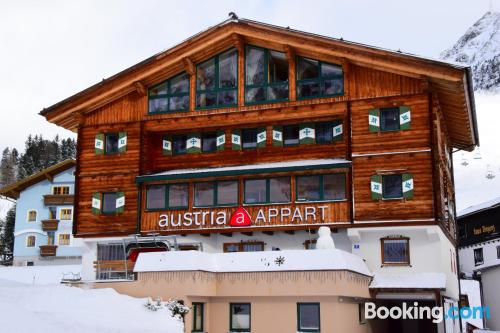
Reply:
x=452, y=82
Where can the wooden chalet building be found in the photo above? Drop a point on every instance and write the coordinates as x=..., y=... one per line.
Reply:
x=292, y=129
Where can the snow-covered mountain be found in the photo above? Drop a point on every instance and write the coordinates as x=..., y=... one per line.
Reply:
x=480, y=48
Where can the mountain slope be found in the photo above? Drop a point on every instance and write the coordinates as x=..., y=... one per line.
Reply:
x=479, y=47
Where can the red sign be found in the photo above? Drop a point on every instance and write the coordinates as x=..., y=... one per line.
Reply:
x=240, y=218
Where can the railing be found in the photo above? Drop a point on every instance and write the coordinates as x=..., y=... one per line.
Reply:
x=48, y=250
x=114, y=269
x=61, y=199
x=50, y=225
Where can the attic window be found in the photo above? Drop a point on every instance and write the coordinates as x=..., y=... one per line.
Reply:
x=170, y=96
x=318, y=79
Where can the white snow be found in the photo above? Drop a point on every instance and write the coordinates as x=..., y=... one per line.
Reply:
x=264, y=261
x=409, y=280
x=482, y=206
x=5, y=205
x=38, y=275
x=325, y=240
x=471, y=289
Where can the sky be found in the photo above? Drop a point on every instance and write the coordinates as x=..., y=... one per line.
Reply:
x=51, y=49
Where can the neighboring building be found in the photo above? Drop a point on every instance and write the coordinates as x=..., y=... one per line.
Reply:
x=249, y=137
x=44, y=217
x=479, y=252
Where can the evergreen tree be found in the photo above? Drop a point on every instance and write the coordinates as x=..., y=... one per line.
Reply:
x=8, y=167
x=7, y=236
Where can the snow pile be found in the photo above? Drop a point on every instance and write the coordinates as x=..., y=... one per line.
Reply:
x=409, y=280
x=479, y=47
x=38, y=275
x=61, y=308
x=471, y=289
x=264, y=261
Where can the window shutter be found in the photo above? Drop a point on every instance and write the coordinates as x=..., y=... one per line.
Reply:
x=193, y=143
x=278, y=136
x=122, y=142
x=99, y=144
x=307, y=134
x=376, y=187
x=407, y=185
x=236, y=139
x=167, y=146
x=96, y=203
x=221, y=140
x=374, y=120
x=404, y=118
x=261, y=137
x=338, y=130
x=120, y=202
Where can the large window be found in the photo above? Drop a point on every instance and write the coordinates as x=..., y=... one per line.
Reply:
x=392, y=186
x=271, y=190
x=239, y=317
x=171, y=95
x=395, y=251
x=316, y=78
x=321, y=187
x=266, y=75
x=198, y=317
x=171, y=196
x=217, y=81
x=60, y=190
x=478, y=256
x=251, y=246
x=219, y=193
x=308, y=317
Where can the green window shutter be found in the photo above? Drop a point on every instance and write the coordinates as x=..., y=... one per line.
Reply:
x=261, y=137
x=193, y=143
x=376, y=187
x=221, y=140
x=122, y=142
x=99, y=144
x=374, y=120
x=278, y=136
x=307, y=134
x=338, y=130
x=167, y=146
x=236, y=139
x=96, y=203
x=407, y=185
x=404, y=118
x=120, y=202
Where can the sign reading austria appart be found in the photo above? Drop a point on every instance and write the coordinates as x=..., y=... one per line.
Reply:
x=242, y=217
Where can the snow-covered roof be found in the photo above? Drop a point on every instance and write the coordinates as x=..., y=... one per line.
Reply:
x=471, y=288
x=479, y=207
x=263, y=261
x=409, y=281
x=247, y=169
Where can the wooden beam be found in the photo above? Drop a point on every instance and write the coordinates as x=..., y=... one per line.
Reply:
x=189, y=66
x=140, y=88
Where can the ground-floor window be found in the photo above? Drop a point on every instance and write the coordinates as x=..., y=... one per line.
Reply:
x=252, y=246
x=308, y=318
x=395, y=251
x=198, y=316
x=30, y=241
x=239, y=317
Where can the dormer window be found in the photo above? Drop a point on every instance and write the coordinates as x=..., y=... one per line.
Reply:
x=170, y=96
x=318, y=79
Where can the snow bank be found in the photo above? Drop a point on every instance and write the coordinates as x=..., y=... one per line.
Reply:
x=69, y=309
x=471, y=289
x=38, y=275
x=410, y=280
x=290, y=260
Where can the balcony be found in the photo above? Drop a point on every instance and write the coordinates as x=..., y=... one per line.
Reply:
x=48, y=250
x=114, y=269
x=50, y=225
x=56, y=200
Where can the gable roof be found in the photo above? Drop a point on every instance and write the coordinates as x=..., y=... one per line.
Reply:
x=474, y=209
x=452, y=83
x=13, y=190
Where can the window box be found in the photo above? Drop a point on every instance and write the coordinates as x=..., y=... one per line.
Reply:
x=48, y=250
x=58, y=200
x=50, y=225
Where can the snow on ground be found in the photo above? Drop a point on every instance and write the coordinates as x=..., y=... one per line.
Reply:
x=472, y=187
x=37, y=275
x=472, y=290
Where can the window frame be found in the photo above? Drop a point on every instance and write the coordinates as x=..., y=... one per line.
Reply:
x=61, y=187
x=298, y=136
x=185, y=136
x=59, y=239
x=241, y=246
x=320, y=80
x=268, y=191
x=70, y=215
x=231, y=329
x=299, y=329
x=215, y=193
x=256, y=136
x=266, y=83
x=479, y=250
x=383, y=186
x=106, y=151
x=217, y=89
x=102, y=203
x=382, y=123
x=203, y=138
x=330, y=124
x=169, y=95
x=27, y=241
x=393, y=263
x=167, y=195
x=195, y=306
x=28, y=216
x=321, y=189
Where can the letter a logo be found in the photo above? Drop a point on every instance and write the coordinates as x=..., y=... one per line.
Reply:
x=240, y=218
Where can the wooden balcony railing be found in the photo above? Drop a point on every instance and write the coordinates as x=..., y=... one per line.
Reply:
x=50, y=225
x=63, y=199
x=48, y=250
